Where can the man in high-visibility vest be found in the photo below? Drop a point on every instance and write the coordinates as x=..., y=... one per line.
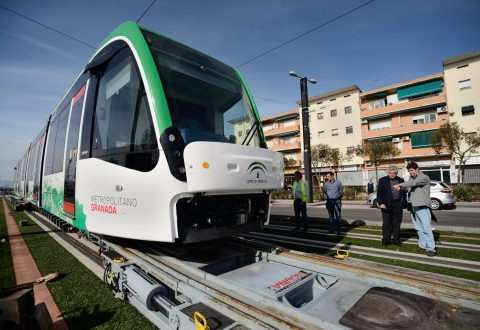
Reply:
x=300, y=197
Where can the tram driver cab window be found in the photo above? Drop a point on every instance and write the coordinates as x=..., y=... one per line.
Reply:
x=124, y=132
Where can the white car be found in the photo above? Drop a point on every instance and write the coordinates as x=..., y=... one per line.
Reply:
x=440, y=193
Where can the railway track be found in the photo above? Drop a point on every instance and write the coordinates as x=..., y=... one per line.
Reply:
x=373, y=237
x=300, y=244
x=246, y=283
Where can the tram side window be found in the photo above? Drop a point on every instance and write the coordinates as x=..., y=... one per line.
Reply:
x=56, y=143
x=31, y=161
x=38, y=162
x=124, y=132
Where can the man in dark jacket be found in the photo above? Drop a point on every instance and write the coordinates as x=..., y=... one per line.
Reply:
x=391, y=203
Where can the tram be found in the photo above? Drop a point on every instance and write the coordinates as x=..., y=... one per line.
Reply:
x=153, y=141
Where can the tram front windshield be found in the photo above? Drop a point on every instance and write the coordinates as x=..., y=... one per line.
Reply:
x=206, y=98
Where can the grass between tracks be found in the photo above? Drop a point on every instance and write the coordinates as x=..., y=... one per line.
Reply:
x=346, y=241
x=85, y=301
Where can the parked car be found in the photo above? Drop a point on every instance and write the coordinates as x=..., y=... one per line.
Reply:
x=440, y=193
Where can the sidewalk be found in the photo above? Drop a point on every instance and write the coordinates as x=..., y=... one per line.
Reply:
x=26, y=271
x=349, y=204
x=475, y=205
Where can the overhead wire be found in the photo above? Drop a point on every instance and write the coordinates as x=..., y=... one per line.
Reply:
x=305, y=33
x=47, y=27
x=62, y=33
x=138, y=20
x=242, y=64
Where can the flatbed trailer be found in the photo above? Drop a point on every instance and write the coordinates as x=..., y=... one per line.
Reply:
x=240, y=283
x=245, y=283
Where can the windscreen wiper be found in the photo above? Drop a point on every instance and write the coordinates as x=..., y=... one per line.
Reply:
x=250, y=134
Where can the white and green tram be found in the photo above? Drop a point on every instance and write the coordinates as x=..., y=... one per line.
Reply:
x=154, y=141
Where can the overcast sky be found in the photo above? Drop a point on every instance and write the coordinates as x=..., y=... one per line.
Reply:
x=382, y=43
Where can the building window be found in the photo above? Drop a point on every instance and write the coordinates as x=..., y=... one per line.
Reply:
x=421, y=139
x=348, y=110
x=380, y=124
x=349, y=129
x=333, y=113
x=462, y=66
x=464, y=84
x=377, y=104
x=347, y=95
x=425, y=118
x=321, y=134
x=289, y=123
x=240, y=133
x=468, y=110
x=320, y=116
x=335, y=132
x=350, y=150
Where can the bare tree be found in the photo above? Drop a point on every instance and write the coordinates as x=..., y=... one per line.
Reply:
x=320, y=156
x=337, y=159
x=450, y=137
x=377, y=152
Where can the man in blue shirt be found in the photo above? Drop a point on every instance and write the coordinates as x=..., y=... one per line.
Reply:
x=300, y=197
x=334, y=191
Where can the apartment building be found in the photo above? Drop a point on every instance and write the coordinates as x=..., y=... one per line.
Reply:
x=334, y=120
x=462, y=83
x=282, y=134
x=408, y=114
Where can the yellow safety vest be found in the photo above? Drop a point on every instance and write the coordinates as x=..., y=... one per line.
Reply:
x=304, y=194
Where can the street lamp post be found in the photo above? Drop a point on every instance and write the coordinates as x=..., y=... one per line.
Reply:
x=306, y=131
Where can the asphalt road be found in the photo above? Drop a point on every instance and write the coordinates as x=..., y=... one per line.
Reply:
x=464, y=218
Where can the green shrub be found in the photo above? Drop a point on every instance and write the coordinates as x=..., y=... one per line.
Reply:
x=466, y=192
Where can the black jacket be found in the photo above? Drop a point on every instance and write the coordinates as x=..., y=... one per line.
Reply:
x=384, y=192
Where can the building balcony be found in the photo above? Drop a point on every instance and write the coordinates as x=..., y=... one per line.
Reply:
x=286, y=147
x=403, y=129
x=427, y=102
x=282, y=131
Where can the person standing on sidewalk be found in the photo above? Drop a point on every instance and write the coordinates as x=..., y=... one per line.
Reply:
x=391, y=203
x=334, y=191
x=370, y=187
x=300, y=193
x=419, y=192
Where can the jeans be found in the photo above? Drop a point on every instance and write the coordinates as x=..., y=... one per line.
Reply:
x=421, y=218
x=334, y=207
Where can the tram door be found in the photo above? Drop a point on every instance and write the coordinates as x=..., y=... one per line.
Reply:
x=72, y=152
